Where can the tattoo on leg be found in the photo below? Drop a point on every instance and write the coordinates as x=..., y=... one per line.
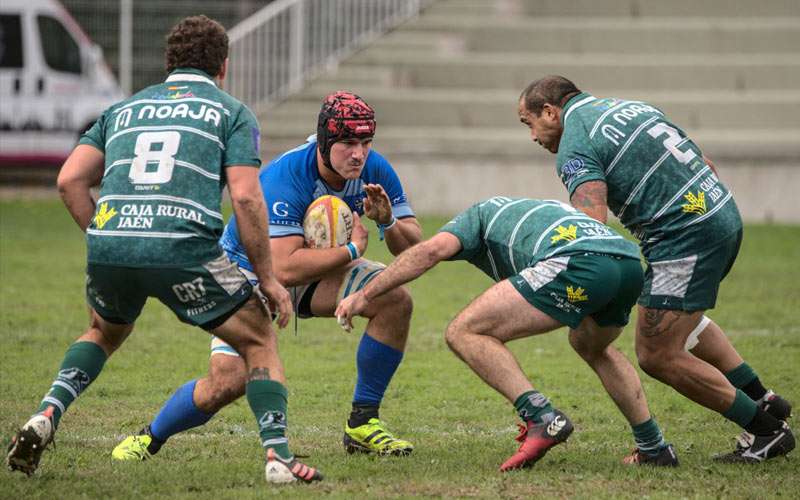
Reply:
x=258, y=374
x=658, y=321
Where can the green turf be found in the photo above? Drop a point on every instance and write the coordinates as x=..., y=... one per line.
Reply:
x=461, y=428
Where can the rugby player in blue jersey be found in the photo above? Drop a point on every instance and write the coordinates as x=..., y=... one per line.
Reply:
x=338, y=161
x=628, y=157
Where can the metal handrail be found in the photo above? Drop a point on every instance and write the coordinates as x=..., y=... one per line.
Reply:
x=279, y=48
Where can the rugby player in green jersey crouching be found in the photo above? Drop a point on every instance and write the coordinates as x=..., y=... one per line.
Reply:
x=554, y=266
x=626, y=156
x=162, y=158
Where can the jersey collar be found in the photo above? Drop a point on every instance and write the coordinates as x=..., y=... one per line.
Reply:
x=574, y=103
x=189, y=75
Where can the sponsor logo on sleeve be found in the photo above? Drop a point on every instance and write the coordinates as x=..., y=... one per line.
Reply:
x=696, y=204
x=573, y=169
x=564, y=234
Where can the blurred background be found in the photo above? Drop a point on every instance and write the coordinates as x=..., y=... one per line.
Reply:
x=444, y=77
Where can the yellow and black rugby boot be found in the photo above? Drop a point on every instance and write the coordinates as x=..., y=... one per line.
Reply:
x=373, y=437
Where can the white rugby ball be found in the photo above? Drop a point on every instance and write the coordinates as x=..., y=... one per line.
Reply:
x=328, y=223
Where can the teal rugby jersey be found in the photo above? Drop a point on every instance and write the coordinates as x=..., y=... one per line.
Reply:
x=658, y=183
x=165, y=152
x=502, y=236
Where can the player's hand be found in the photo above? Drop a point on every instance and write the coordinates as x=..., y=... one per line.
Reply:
x=350, y=306
x=377, y=205
x=360, y=235
x=278, y=297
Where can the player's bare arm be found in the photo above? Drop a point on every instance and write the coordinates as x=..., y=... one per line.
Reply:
x=404, y=233
x=591, y=199
x=296, y=265
x=253, y=225
x=82, y=171
x=408, y=266
x=710, y=164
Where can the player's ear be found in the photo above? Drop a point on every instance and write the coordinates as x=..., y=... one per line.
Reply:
x=223, y=72
x=550, y=112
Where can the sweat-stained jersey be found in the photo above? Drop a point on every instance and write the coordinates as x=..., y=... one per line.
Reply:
x=658, y=183
x=291, y=182
x=165, y=150
x=502, y=236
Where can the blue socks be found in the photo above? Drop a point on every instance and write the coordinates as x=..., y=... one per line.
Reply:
x=178, y=414
x=376, y=363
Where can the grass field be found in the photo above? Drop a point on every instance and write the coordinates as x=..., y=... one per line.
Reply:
x=461, y=428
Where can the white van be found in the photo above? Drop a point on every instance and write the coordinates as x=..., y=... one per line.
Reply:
x=53, y=82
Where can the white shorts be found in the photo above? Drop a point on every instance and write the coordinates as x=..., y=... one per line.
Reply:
x=354, y=280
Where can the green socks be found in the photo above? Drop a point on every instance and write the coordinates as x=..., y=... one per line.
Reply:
x=742, y=410
x=82, y=363
x=532, y=405
x=267, y=399
x=648, y=437
x=744, y=377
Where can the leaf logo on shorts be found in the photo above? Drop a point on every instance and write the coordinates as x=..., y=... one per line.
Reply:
x=104, y=215
x=576, y=295
x=565, y=233
x=696, y=205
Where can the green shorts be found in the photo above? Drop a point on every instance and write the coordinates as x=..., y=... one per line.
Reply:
x=204, y=295
x=690, y=283
x=570, y=288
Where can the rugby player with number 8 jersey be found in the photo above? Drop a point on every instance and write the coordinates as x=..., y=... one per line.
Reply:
x=628, y=157
x=162, y=158
x=337, y=161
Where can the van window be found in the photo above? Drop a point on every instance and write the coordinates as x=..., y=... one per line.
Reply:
x=61, y=52
x=10, y=42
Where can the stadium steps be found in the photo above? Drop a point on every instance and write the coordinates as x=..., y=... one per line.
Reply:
x=618, y=8
x=621, y=36
x=498, y=108
x=445, y=85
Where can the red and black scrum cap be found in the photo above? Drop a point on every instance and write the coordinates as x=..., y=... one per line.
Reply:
x=344, y=115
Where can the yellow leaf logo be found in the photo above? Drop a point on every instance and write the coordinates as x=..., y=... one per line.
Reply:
x=104, y=215
x=576, y=295
x=565, y=233
x=696, y=204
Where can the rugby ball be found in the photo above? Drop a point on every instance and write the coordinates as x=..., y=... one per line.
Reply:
x=328, y=223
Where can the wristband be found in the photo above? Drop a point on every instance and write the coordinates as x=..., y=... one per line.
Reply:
x=382, y=228
x=353, y=249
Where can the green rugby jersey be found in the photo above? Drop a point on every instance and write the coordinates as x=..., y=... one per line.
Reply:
x=658, y=183
x=502, y=236
x=165, y=150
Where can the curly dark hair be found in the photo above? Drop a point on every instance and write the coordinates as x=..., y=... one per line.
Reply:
x=552, y=89
x=197, y=42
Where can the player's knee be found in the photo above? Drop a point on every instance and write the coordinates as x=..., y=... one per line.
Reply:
x=585, y=350
x=653, y=362
x=401, y=300
x=454, y=334
x=396, y=303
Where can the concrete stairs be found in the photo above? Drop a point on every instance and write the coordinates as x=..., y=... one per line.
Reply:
x=445, y=88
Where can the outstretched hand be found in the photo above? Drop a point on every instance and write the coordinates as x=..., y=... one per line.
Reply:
x=349, y=307
x=377, y=205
